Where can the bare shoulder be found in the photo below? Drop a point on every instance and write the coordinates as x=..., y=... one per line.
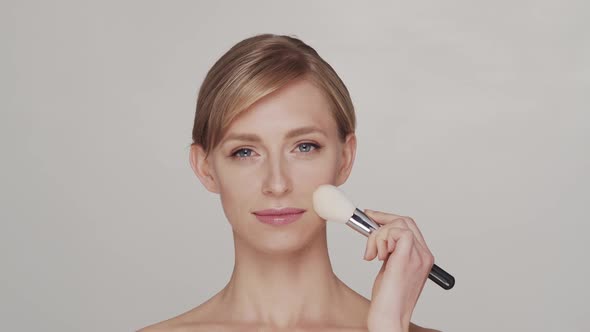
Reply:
x=181, y=324
x=416, y=328
x=172, y=325
x=184, y=327
x=194, y=320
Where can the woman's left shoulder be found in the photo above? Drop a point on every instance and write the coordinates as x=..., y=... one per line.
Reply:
x=416, y=328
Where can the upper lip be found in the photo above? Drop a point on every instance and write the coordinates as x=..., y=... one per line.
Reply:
x=278, y=212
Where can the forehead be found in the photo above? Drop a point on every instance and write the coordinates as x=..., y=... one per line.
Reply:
x=299, y=103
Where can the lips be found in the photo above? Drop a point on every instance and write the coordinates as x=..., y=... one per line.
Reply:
x=279, y=216
x=278, y=212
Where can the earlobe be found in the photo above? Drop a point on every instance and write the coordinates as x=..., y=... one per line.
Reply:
x=202, y=168
x=348, y=155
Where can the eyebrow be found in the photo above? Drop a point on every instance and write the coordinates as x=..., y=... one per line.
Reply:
x=292, y=133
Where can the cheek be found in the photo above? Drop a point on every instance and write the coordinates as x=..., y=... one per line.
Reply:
x=314, y=174
x=237, y=190
x=309, y=175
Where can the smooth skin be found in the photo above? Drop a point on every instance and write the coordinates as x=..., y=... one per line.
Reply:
x=284, y=147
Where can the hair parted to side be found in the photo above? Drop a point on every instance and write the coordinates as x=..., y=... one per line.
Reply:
x=254, y=68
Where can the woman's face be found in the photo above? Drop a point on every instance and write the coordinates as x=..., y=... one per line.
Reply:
x=273, y=156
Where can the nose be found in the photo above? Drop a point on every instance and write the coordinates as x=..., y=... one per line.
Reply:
x=277, y=181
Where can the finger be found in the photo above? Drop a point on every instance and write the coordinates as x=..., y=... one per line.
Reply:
x=371, y=249
x=374, y=246
x=366, y=249
x=404, y=241
x=382, y=239
x=404, y=256
x=390, y=244
x=398, y=223
x=381, y=217
x=410, y=253
x=389, y=218
x=382, y=245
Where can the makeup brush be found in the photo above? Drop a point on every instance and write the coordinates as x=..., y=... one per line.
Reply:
x=331, y=204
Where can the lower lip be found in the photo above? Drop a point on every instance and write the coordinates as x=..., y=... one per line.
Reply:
x=282, y=219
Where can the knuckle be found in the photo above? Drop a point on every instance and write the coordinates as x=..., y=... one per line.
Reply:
x=372, y=236
x=404, y=222
x=406, y=233
x=391, y=231
x=418, y=260
x=378, y=238
x=410, y=221
x=400, y=220
x=429, y=260
x=382, y=232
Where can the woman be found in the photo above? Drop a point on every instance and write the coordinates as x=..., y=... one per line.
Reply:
x=273, y=122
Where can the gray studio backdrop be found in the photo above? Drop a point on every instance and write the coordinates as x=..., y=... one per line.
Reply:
x=472, y=118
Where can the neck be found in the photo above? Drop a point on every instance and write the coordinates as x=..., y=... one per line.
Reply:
x=282, y=289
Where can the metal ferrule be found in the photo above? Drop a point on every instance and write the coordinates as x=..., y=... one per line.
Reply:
x=361, y=223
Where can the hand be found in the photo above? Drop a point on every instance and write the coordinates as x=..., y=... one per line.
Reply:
x=406, y=264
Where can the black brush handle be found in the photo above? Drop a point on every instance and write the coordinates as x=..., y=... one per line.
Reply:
x=441, y=277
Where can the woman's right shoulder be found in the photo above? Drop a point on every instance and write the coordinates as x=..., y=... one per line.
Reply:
x=201, y=318
x=168, y=326
x=193, y=320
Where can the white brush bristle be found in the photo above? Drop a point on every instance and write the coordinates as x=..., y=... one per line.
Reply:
x=331, y=204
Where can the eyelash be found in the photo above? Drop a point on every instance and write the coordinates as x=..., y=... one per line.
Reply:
x=315, y=146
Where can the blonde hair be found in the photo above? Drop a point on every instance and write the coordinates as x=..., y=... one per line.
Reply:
x=254, y=68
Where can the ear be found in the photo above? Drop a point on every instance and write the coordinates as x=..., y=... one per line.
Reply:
x=348, y=154
x=202, y=168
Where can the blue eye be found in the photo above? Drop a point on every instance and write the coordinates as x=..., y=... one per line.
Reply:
x=306, y=147
x=242, y=153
